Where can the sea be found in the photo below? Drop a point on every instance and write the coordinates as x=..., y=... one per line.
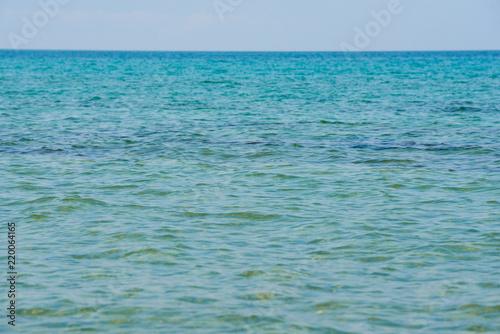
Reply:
x=198, y=192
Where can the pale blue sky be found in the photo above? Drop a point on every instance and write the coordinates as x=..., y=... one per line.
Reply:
x=252, y=25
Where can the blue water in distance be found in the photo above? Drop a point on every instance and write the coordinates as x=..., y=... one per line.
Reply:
x=253, y=192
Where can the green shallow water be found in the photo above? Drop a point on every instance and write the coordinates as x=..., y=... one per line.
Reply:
x=253, y=193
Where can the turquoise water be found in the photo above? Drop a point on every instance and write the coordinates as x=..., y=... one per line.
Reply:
x=253, y=193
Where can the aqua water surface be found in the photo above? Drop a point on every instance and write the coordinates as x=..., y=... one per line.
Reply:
x=253, y=192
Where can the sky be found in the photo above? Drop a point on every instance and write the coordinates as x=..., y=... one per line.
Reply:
x=250, y=25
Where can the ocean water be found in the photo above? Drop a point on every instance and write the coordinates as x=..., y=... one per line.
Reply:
x=252, y=192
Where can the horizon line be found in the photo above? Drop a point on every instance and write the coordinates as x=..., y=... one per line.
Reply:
x=256, y=51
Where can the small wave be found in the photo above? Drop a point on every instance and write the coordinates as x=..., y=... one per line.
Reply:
x=386, y=161
x=143, y=252
x=251, y=273
x=260, y=296
x=41, y=200
x=329, y=306
x=197, y=300
x=458, y=109
x=250, y=215
x=120, y=186
x=375, y=259
x=79, y=199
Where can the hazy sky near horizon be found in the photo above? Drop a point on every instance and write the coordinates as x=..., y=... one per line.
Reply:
x=251, y=25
